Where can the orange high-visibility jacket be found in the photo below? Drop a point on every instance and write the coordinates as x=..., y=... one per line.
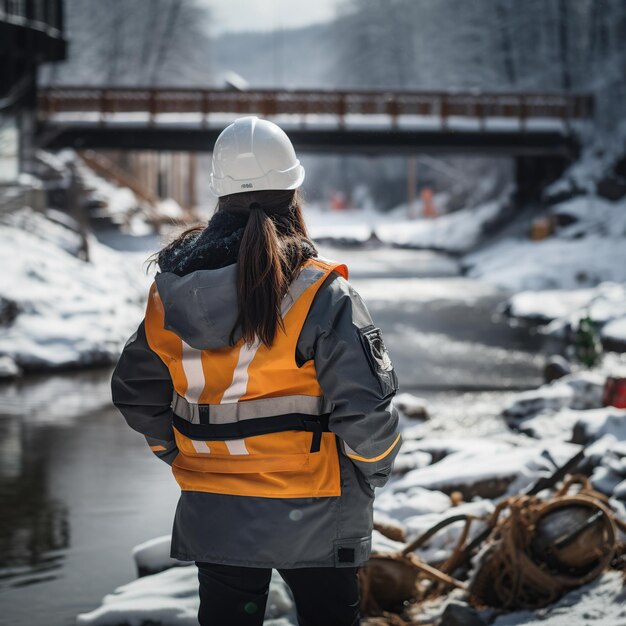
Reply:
x=276, y=449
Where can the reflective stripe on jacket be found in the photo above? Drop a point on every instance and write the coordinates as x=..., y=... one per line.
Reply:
x=276, y=449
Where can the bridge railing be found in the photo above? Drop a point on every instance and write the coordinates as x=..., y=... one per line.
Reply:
x=106, y=102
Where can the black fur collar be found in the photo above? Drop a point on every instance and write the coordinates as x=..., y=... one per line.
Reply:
x=214, y=247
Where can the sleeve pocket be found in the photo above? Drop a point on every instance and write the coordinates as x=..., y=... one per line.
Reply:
x=379, y=360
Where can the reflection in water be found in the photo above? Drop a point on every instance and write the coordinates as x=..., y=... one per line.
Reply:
x=34, y=527
x=78, y=489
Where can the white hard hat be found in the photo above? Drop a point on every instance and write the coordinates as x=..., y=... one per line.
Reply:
x=253, y=154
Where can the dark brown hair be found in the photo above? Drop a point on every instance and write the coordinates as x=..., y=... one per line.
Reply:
x=274, y=245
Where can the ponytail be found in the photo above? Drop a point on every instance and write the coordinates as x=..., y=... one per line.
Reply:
x=261, y=278
x=274, y=245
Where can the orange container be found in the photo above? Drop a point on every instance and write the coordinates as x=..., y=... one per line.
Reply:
x=542, y=228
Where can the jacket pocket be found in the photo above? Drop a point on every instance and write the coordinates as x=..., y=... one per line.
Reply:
x=275, y=452
x=275, y=465
x=378, y=359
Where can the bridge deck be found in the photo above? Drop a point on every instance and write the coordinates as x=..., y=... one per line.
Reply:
x=316, y=140
x=364, y=121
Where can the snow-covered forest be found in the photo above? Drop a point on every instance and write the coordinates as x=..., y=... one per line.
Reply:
x=499, y=45
x=569, y=45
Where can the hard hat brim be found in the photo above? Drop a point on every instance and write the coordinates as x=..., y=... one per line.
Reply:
x=272, y=180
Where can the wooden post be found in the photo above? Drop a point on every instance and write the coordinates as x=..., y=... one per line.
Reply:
x=341, y=109
x=444, y=111
x=175, y=173
x=523, y=112
x=77, y=208
x=192, y=199
x=178, y=160
x=393, y=110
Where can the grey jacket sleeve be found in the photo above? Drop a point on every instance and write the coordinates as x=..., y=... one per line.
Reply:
x=356, y=376
x=142, y=390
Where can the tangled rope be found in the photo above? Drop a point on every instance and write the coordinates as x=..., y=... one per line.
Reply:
x=515, y=569
x=512, y=574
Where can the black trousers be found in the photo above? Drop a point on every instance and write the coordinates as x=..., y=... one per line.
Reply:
x=236, y=596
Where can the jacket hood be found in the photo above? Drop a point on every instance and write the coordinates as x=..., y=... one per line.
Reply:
x=198, y=282
x=201, y=307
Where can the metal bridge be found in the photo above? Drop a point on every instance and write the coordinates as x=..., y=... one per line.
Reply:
x=358, y=121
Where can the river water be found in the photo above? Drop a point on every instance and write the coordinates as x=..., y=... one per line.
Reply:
x=79, y=489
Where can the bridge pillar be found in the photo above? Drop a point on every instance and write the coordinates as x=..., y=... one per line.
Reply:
x=534, y=173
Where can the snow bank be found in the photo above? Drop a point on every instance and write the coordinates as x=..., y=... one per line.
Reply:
x=64, y=311
x=170, y=598
x=153, y=556
x=520, y=264
x=615, y=331
x=348, y=225
x=456, y=232
x=482, y=468
x=584, y=253
x=559, y=311
x=570, y=409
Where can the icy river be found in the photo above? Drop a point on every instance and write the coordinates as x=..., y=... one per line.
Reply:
x=79, y=489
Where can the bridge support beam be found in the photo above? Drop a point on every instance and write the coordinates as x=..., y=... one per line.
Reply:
x=534, y=173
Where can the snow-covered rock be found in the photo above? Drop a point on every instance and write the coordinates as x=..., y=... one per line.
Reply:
x=542, y=413
x=582, y=390
x=549, y=304
x=8, y=367
x=615, y=332
x=153, y=556
x=487, y=473
x=594, y=424
x=561, y=310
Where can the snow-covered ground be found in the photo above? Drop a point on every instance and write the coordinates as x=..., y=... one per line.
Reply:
x=558, y=311
x=578, y=272
x=58, y=310
x=588, y=251
x=455, y=233
x=556, y=419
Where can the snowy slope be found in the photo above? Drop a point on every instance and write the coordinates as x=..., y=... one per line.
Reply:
x=65, y=311
x=585, y=253
x=455, y=232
